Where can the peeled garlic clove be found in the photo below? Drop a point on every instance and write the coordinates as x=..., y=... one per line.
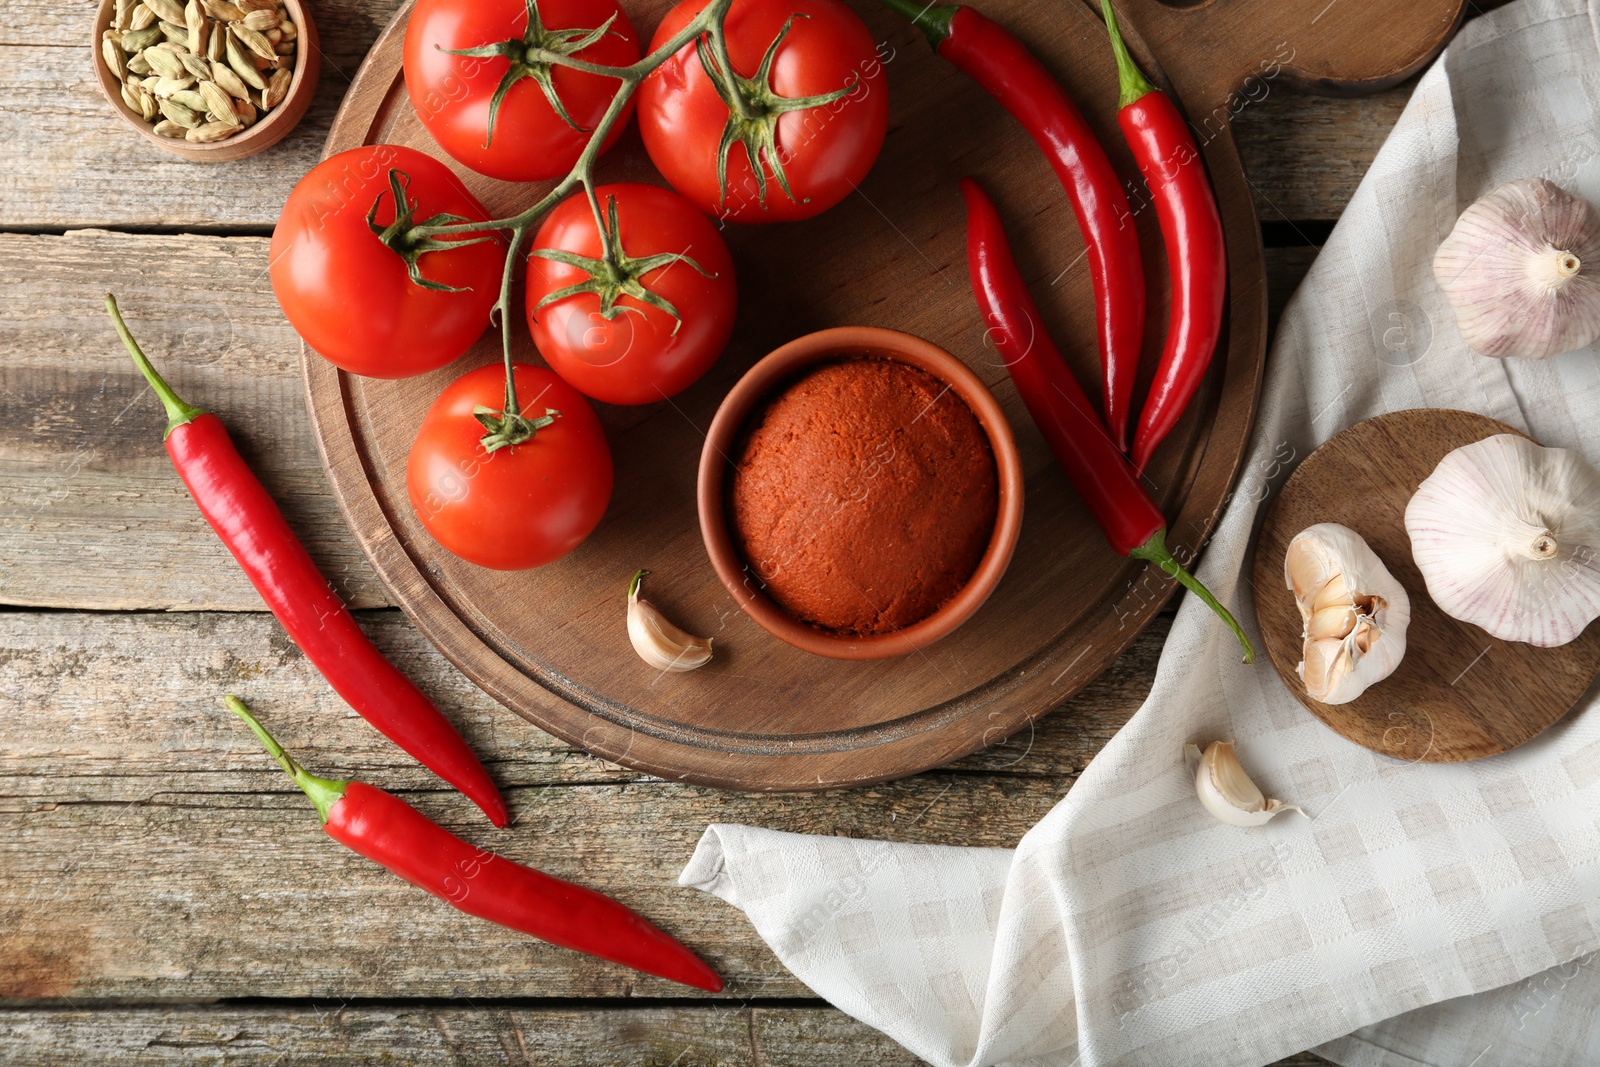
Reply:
x=1506, y=534
x=1353, y=612
x=1226, y=791
x=658, y=642
x=1522, y=270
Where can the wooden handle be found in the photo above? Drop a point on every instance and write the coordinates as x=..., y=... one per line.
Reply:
x=1215, y=50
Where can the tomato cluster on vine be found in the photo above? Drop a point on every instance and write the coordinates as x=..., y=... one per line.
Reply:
x=388, y=266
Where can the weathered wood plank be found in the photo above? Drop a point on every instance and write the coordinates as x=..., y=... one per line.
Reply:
x=86, y=490
x=116, y=708
x=91, y=514
x=70, y=163
x=197, y=895
x=424, y=1035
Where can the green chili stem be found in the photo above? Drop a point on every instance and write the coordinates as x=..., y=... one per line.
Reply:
x=934, y=22
x=1131, y=82
x=179, y=411
x=1155, y=551
x=324, y=792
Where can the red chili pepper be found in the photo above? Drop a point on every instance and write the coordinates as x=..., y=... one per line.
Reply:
x=244, y=516
x=1197, y=256
x=393, y=834
x=1011, y=74
x=1078, y=440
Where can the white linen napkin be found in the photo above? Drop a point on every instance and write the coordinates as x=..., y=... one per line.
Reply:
x=1129, y=926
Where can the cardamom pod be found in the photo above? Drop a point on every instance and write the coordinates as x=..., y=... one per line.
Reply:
x=166, y=10
x=168, y=128
x=141, y=18
x=165, y=87
x=116, y=61
x=138, y=64
x=245, y=111
x=251, y=40
x=196, y=65
x=224, y=76
x=175, y=32
x=183, y=116
x=190, y=99
x=211, y=131
x=239, y=60
x=218, y=104
x=138, y=40
x=199, y=27
x=130, y=96
x=277, y=87
x=124, y=14
x=288, y=31
x=248, y=6
x=261, y=21
x=285, y=49
x=215, y=43
x=164, y=63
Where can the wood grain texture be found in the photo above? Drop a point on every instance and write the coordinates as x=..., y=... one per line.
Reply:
x=756, y=717
x=440, y=1034
x=115, y=707
x=1458, y=694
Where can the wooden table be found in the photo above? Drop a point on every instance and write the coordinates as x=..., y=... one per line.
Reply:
x=165, y=895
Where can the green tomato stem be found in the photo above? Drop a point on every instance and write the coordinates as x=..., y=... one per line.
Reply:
x=510, y=428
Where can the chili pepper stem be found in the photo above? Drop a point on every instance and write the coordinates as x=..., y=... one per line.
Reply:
x=934, y=22
x=1131, y=82
x=179, y=412
x=1155, y=551
x=324, y=792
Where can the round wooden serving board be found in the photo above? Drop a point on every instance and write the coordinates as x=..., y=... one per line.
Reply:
x=1458, y=694
x=551, y=643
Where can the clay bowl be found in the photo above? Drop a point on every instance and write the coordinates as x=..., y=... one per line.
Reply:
x=765, y=380
x=263, y=135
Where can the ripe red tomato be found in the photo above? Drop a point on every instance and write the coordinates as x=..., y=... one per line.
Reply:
x=824, y=151
x=521, y=505
x=453, y=94
x=634, y=356
x=349, y=296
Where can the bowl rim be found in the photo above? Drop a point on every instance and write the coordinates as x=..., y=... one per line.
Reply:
x=263, y=135
x=756, y=386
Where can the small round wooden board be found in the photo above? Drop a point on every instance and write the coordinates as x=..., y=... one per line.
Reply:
x=551, y=643
x=1459, y=694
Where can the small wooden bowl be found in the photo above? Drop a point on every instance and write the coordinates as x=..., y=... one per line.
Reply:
x=760, y=383
x=264, y=134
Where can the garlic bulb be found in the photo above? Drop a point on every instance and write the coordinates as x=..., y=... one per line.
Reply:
x=658, y=642
x=1353, y=612
x=1522, y=270
x=1506, y=534
x=1226, y=791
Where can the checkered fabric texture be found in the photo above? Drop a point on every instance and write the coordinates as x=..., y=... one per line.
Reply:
x=1424, y=914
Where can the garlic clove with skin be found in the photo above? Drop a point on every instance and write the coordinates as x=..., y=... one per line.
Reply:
x=1226, y=791
x=658, y=642
x=1353, y=612
x=1522, y=271
x=1506, y=534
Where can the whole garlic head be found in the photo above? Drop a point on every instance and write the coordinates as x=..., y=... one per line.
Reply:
x=1522, y=270
x=1507, y=536
x=1352, y=610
